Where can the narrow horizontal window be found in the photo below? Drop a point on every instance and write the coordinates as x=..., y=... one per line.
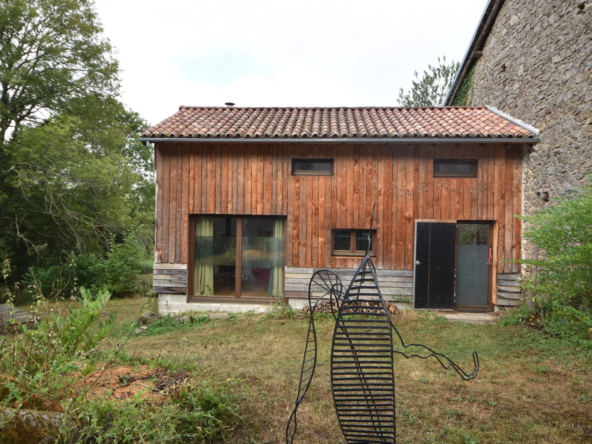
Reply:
x=455, y=168
x=351, y=242
x=312, y=167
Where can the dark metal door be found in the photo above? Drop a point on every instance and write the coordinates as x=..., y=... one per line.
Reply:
x=434, y=267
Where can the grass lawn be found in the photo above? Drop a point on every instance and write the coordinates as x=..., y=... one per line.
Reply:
x=530, y=389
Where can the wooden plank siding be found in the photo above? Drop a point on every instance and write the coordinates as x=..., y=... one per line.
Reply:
x=508, y=289
x=255, y=178
x=395, y=285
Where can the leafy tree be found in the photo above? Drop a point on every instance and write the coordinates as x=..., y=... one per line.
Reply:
x=52, y=52
x=432, y=88
x=76, y=180
x=72, y=171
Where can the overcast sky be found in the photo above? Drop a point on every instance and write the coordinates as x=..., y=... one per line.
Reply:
x=279, y=53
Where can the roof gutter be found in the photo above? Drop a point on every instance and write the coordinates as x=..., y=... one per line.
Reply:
x=489, y=13
x=406, y=140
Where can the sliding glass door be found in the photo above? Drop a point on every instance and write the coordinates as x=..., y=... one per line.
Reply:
x=262, y=257
x=214, y=270
x=238, y=256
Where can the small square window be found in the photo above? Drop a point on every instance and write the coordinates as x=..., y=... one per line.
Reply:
x=352, y=242
x=312, y=167
x=455, y=168
x=342, y=240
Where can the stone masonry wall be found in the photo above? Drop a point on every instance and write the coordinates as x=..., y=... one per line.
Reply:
x=537, y=67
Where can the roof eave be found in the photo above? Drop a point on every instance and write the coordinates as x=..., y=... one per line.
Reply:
x=405, y=140
x=479, y=38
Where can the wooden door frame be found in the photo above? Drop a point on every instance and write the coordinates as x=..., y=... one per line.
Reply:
x=237, y=298
x=492, y=287
x=493, y=245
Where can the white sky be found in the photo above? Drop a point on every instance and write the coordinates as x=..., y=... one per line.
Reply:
x=279, y=53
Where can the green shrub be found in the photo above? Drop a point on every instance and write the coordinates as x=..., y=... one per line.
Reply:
x=198, y=412
x=77, y=271
x=42, y=366
x=515, y=316
x=562, y=287
x=122, y=265
x=282, y=310
x=117, y=272
x=146, y=266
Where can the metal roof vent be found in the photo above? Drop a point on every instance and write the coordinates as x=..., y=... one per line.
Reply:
x=229, y=104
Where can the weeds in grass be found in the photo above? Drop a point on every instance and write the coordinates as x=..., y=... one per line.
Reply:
x=168, y=323
x=200, y=411
x=265, y=353
x=49, y=367
x=468, y=440
x=282, y=310
x=42, y=366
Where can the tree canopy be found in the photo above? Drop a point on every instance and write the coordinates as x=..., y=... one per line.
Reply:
x=72, y=171
x=432, y=88
x=52, y=51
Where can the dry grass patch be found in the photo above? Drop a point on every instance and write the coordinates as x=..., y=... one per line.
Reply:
x=530, y=389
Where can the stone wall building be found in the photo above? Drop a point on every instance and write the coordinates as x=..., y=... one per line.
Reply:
x=533, y=59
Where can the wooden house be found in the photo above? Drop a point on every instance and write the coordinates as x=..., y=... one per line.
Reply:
x=251, y=201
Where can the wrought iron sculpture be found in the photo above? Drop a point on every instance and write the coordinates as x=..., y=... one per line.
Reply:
x=362, y=367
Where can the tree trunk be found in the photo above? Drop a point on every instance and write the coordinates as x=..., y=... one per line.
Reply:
x=29, y=426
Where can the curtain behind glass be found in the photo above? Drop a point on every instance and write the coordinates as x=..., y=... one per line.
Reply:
x=276, y=281
x=203, y=277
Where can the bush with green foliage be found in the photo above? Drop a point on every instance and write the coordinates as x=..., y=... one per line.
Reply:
x=41, y=367
x=201, y=411
x=44, y=368
x=122, y=265
x=117, y=272
x=562, y=286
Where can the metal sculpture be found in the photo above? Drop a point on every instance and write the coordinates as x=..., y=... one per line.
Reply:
x=362, y=367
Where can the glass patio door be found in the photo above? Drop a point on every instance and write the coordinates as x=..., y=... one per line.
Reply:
x=262, y=257
x=238, y=256
x=214, y=271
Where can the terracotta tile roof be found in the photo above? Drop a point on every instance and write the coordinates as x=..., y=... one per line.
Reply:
x=231, y=122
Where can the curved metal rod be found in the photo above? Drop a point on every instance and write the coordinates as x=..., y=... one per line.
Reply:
x=444, y=360
x=333, y=289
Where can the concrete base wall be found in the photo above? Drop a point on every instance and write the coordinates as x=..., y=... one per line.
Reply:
x=176, y=303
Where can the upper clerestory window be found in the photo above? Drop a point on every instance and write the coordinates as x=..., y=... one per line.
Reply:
x=312, y=167
x=455, y=168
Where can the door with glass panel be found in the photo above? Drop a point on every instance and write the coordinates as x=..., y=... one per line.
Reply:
x=473, y=260
x=237, y=257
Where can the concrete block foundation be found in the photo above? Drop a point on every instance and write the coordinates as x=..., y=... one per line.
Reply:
x=177, y=303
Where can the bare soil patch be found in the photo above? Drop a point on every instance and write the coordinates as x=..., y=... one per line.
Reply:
x=124, y=382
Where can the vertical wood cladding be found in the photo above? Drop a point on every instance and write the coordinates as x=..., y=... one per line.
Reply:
x=255, y=179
